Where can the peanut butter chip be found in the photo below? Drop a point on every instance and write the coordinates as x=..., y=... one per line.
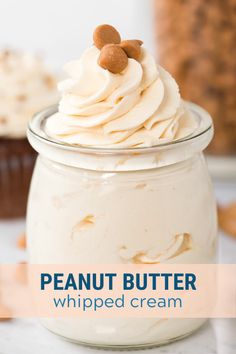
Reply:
x=3, y=120
x=132, y=48
x=105, y=34
x=139, y=41
x=113, y=58
x=21, y=242
x=227, y=219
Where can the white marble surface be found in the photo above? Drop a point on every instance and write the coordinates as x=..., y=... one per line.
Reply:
x=28, y=336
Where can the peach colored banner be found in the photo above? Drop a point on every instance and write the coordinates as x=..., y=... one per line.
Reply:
x=162, y=291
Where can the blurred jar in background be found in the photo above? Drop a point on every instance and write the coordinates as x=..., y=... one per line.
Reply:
x=196, y=42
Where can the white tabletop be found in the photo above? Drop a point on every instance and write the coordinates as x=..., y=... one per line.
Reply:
x=28, y=336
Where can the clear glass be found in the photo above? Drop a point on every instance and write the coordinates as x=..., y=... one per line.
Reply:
x=128, y=206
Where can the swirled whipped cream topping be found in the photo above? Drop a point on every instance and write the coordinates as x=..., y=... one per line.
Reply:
x=25, y=88
x=139, y=107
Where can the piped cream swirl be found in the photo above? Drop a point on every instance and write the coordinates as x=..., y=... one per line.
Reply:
x=26, y=87
x=137, y=108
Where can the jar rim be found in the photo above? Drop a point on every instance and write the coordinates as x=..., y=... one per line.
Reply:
x=120, y=159
x=36, y=124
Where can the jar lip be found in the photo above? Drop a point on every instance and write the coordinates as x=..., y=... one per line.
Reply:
x=35, y=127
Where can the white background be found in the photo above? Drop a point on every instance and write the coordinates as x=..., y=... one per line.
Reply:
x=61, y=29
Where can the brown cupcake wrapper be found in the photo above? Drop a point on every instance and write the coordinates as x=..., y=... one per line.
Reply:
x=17, y=160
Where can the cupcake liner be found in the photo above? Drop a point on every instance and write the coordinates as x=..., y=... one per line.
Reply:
x=17, y=160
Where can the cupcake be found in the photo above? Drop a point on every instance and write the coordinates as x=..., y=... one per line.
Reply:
x=25, y=88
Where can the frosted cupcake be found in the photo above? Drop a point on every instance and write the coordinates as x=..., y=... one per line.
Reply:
x=25, y=88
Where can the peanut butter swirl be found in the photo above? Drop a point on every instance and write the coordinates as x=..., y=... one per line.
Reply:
x=139, y=107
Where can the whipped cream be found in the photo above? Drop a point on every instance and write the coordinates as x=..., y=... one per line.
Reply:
x=25, y=88
x=141, y=206
x=162, y=215
x=139, y=107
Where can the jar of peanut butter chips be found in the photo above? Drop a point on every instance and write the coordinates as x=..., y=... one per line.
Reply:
x=196, y=41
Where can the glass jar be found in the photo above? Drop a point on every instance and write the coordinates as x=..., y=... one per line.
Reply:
x=139, y=205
